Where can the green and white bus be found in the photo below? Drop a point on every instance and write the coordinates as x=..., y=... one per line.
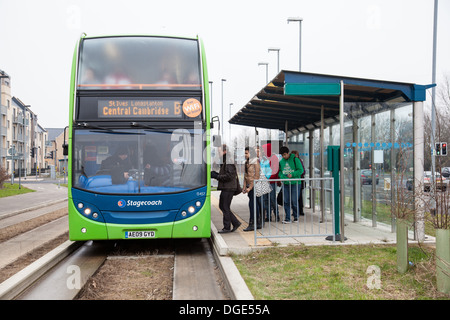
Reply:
x=138, y=139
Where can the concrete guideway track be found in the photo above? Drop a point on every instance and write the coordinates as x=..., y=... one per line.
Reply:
x=16, y=247
x=61, y=273
x=68, y=277
x=13, y=286
x=194, y=273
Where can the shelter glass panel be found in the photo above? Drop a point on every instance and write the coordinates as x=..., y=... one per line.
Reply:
x=378, y=141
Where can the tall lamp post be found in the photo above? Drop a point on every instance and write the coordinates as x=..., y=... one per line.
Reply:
x=267, y=69
x=229, y=125
x=433, y=102
x=277, y=50
x=223, y=122
x=267, y=80
x=299, y=20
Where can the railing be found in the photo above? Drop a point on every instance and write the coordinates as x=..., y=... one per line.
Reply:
x=310, y=224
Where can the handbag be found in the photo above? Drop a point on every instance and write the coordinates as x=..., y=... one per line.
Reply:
x=280, y=198
x=262, y=186
x=238, y=187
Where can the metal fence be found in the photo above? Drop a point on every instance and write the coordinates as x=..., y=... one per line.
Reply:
x=282, y=225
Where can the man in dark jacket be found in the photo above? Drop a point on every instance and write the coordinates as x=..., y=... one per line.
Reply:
x=227, y=178
x=117, y=166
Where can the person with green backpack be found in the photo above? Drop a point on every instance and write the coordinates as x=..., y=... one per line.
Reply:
x=290, y=168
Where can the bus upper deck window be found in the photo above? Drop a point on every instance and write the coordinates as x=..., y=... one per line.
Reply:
x=139, y=63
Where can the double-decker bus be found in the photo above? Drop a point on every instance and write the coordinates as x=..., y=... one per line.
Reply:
x=138, y=139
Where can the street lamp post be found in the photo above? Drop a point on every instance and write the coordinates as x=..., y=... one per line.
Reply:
x=277, y=50
x=229, y=126
x=267, y=80
x=299, y=20
x=267, y=69
x=433, y=103
x=223, y=122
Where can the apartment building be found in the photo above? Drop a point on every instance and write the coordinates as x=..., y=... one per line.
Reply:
x=22, y=140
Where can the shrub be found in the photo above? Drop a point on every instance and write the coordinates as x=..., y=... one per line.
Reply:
x=3, y=176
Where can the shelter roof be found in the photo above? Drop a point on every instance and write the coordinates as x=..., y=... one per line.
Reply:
x=272, y=108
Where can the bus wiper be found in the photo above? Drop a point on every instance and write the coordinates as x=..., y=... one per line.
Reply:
x=149, y=128
x=136, y=124
x=90, y=126
x=102, y=129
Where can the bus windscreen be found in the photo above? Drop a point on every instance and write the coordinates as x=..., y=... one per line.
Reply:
x=139, y=63
x=138, y=161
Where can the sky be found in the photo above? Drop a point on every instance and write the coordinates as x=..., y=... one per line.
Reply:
x=376, y=39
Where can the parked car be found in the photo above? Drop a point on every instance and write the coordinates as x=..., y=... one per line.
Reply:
x=441, y=182
x=366, y=177
x=445, y=172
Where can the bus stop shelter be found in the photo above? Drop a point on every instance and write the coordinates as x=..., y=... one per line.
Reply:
x=379, y=126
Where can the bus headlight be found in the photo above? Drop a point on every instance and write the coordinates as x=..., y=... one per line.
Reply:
x=88, y=210
x=189, y=209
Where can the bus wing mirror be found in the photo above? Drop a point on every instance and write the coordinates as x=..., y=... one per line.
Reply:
x=217, y=141
x=65, y=149
x=214, y=119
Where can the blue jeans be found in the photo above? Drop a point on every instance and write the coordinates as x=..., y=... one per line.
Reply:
x=290, y=194
x=251, y=206
x=272, y=196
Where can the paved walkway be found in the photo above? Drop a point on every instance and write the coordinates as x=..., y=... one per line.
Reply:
x=46, y=193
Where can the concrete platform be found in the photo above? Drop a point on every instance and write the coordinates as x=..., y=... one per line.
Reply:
x=302, y=232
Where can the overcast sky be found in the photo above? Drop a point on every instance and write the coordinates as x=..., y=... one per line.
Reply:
x=377, y=39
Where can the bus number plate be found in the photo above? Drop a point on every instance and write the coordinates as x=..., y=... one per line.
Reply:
x=139, y=234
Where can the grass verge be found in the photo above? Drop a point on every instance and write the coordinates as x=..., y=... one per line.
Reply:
x=338, y=273
x=13, y=189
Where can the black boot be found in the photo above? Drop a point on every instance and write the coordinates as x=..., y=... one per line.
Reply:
x=250, y=226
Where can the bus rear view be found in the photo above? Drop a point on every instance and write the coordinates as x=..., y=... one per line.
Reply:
x=137, y=140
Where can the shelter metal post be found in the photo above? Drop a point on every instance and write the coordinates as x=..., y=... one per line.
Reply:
x=286, y=133
x=374, y=173
x=312, y=192
x=418, y=168
x=393, y=171
x=330, y=142
x=356, y=173
x=322, y=169
x=341, y=160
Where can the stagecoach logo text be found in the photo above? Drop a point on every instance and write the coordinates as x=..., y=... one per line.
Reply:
x=130, y=203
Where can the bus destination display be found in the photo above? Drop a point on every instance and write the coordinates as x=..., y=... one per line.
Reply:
x=142, y=108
